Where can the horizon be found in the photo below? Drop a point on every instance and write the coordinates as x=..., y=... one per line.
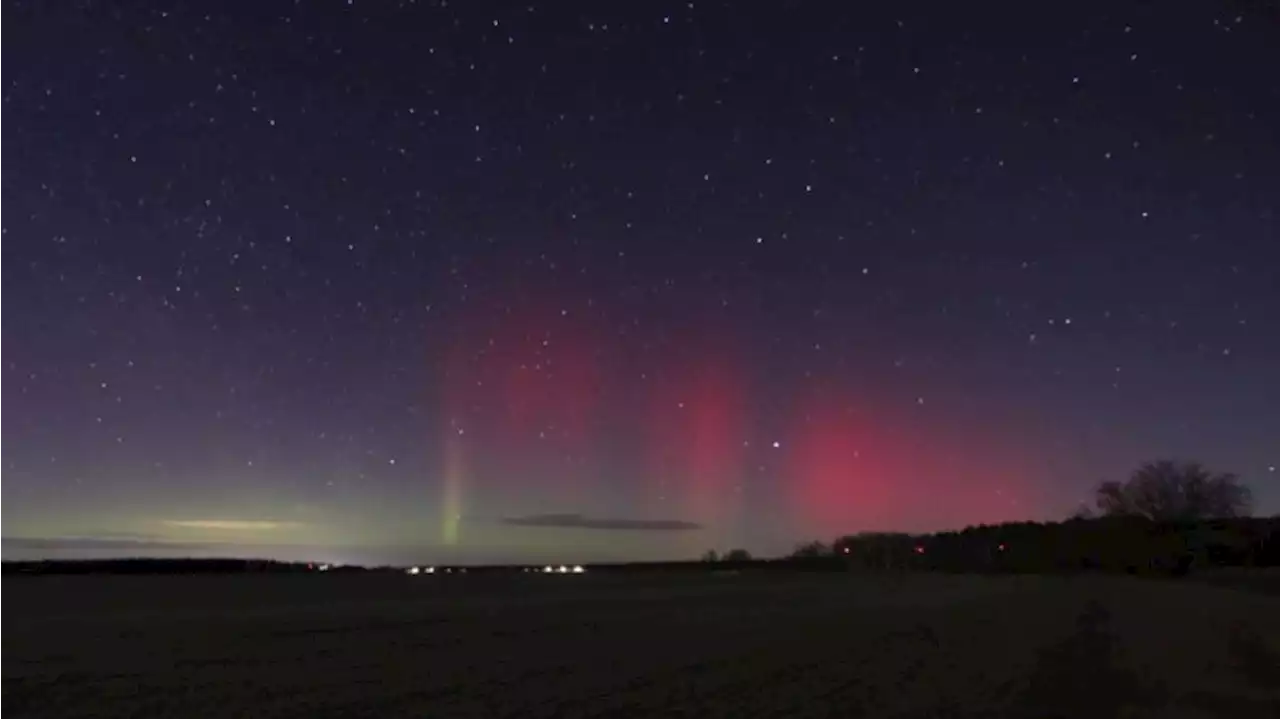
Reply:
x=73, y=549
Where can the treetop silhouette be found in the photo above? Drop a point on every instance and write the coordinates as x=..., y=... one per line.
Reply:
x=1169, y=491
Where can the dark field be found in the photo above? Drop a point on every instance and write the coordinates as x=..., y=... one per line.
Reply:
x=752, y=645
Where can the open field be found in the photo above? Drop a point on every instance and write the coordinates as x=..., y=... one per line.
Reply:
x=775, y=645
x=1264, y=580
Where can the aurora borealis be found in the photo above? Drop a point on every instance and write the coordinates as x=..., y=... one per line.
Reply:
x=393, y=282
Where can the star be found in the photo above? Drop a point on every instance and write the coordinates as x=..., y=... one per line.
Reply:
x=347, y=275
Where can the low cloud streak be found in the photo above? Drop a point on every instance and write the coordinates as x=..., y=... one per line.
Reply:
x=90, y=548
x=94, y=544
x=578, y=521
x=231, y=525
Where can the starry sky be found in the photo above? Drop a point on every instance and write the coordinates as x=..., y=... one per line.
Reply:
x=464, y=281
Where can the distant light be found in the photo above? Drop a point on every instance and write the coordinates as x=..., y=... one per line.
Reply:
x=846, y=550
x=431, y=570
x=776, y=444
x=323, y=567
x=547, y=569
x=563, y=569
x=1001, y=547
x=413, y=570
x=919, y=549
x=577, y=569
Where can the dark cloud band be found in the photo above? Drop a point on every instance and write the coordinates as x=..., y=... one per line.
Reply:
x=578, y=521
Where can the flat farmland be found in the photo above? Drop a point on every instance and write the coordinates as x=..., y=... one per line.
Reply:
x=636, y=645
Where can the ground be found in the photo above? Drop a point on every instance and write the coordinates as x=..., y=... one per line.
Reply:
x=765, y=645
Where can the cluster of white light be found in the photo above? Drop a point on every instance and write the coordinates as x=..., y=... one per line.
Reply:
x=549, y=569
x=563, y=569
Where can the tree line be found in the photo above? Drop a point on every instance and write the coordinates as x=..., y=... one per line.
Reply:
x=1167, y=517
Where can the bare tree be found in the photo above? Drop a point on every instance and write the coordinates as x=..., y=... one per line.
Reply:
x=1166, y=491
x=1083, y=512
x=812, y=549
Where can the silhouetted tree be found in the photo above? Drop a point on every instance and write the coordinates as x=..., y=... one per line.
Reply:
x=737, y=555
x=1126, y=543
x=809, y=550
x=879, y=550
x=1166, y=491
x=711, y=555
x=1084, y=511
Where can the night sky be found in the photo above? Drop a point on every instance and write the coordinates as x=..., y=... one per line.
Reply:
x=461, y=281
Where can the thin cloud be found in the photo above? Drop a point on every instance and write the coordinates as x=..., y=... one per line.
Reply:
x=231, y=525
x=92, y=544
x=85, y=548
x=578, y=521
x=117, y=534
